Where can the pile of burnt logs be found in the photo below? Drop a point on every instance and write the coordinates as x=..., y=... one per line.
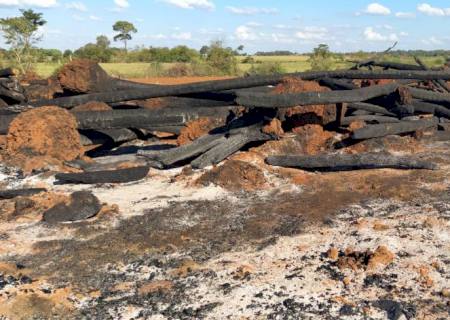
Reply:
x=11, y=92
x=412, y=99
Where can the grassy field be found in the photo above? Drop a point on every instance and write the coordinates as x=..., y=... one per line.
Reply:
x=288, y=63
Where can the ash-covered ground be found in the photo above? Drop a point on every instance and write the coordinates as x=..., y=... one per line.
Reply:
x=370, y=244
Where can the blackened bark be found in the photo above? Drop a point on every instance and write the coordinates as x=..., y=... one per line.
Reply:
x=346, y=162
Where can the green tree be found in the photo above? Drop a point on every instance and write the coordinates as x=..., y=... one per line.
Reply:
x=21, y=33
x=124, y=29
x=68, y=54
x=204, y=50
x=221, y=59
x=103, y=41
x=321, y=58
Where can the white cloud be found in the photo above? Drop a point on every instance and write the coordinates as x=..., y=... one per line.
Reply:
x=282, y=26
x=254, y=24
x=249, y=11
x=377, y=9
x=192, y=4
x=245, y=33
x=405, y=15
x=282, y=38
x=158, y=36
x=371, y=35
x=429, y=10
x=95, y=18
x=77, y=17
x=29, y=3
x=122, y=3
x=433, y=41
x=312, y=33
x=182, y=36
x=80, y=6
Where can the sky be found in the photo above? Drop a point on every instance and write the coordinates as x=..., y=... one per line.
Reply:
x=296, y=25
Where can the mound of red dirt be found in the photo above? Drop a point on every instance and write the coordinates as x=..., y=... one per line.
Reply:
x=30, y=208
x=197, y=128
x=43, y=136
x=235, y=175
x=82, y=76
x=92, y=106
x=315, y=114
x=309, y=139
x=351, y=259
x=274, y=127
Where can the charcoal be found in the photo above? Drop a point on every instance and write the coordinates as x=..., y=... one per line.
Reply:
x=83, y=205
x=11, y=194
x=382, y=130
x=345, y=162
x=109, y=176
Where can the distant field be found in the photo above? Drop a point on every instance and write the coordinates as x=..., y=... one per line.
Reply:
x=288, y=63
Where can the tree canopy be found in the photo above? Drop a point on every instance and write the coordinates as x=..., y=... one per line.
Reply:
x=21, y=33
x=124, y=29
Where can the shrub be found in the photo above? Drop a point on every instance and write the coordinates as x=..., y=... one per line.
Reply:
x=201, y=68
x=179, y=70
x=222, y=59
x=321, y=59
x=155, y=69
x=267, y=68
x=248, y=59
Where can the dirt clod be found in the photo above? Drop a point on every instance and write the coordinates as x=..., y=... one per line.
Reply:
x=235, y=175
x=41, y=137
x=197, y=128
x=155, y=287
x=333, y=254
x=274, y=127
x=381, y=257
x=367, y=260
x=83, y=76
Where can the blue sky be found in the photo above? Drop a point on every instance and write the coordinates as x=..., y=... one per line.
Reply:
x=346, y=25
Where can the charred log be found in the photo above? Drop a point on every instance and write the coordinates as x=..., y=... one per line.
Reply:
x=368, y=118
x=83, y=205
x=346, y=162
x=233, y=143
x=314, y=98
x=168, y=158
x=439, y=83
x=220, y=85
x=426, y=107
x=113, y=176
x=8, y=72
x=338, y=84
x=370, y=108
x=126, y=119
x=392, y=65
x=382, y=130
x=5, y=121
x=13, y=96
x=11, y=194
x=109, y=136
x=429, y=96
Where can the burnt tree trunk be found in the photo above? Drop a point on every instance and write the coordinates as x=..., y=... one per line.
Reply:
x=346, y=162
x=382, y=130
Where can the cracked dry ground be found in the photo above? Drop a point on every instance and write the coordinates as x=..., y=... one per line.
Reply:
x=370, y=244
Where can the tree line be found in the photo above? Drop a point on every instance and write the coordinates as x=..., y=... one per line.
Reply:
x=22, y=34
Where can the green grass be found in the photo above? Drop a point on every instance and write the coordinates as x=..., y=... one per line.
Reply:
x=288, y=63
